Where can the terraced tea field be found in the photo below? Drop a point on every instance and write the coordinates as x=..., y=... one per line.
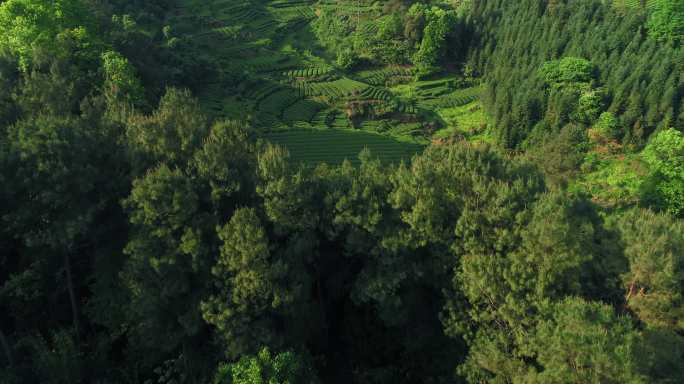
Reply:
x=333, y=146
x=304, y=101
x=636, y=3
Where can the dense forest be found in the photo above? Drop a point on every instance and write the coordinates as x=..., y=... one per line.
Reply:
x=341, y=191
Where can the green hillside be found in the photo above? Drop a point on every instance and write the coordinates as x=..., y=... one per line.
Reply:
x=267, y=76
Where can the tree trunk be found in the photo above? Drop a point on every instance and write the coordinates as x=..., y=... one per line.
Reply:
x=72, y=295
x=5, y=348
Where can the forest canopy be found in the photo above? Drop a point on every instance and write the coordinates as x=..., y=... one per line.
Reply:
x=341, y=191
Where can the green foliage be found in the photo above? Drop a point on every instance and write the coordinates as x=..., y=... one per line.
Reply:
x=434, y=180
x=285, y=192
x=252, y=286
x=52, y=93
x=439, y=24
x=121, y=84
x=389, y=44
x=586, y=342
x=666, y=21
x=169, y=239
x=654, y=246
x=665, y=153
x=596, y=45
x=509, y=281
x=9, y=75
x=613, y=181
x=331, y=29
x=29, y=25
x=660, y=355
x=167, y=259
x=346, y=58
x=222, y=160
x=265, y=368
x=171, y=134
x=607, y=125
x=560, y=155
x=420, y=34
x=590, y=106
x=58, y=183
x=58, y=360
x=665, y=156
x=568, y=70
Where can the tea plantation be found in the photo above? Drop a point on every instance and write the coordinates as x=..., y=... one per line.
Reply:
x=266, y=51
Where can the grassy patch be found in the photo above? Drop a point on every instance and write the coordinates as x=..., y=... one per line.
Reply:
x=612, y=181
x=467, y=119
